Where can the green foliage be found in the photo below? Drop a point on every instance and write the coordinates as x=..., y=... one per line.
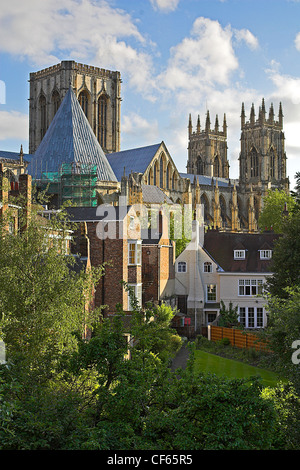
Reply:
x=228, y=316
x=272, y=216
x=42, y=297
x=286, y=259
x=283, y=329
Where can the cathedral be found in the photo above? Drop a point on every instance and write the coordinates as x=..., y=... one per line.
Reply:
x=74, y=130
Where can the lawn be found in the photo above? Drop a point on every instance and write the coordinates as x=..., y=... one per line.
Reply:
x=207, y=362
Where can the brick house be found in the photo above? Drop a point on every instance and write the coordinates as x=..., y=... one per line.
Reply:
x=114, y=238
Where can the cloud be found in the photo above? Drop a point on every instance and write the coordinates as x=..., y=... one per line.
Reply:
x=297, y=42
x=42, y=31
x=248, y=37
x=165, y=5
x=14, y=125
x=137, y=128
x=206, y=56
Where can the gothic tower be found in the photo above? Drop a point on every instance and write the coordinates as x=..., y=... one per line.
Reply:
x=207, y=149
x=98, y=91
x=262, y=159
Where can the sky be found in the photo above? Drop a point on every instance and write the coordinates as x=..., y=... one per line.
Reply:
x=176, y=57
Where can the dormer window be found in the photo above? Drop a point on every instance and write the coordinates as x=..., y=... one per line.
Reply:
x=239, y=254
x=265, y=254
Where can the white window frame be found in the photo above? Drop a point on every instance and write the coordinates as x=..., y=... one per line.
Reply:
x=239, y=254
x=265, y=254
x=207, y=267
x=250, y=287
x=182, y=264
x=251, y=317
x=138, y=294
x=137, y=252
x=207, y=287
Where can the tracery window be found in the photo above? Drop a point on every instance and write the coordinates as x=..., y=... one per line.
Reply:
x=216, y=167
x=43, y=116
x=200, y=169
x=55, y=102
x=84, y=102
x=272, y=163
x=102, y=121
x=253, y=163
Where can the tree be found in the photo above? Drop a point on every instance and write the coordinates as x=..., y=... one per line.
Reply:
x=228, y=316
x=286, y=259
x=272, y=215
x=283, y=333
x=43, y=299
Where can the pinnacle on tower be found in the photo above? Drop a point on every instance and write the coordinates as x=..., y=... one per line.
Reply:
x=243, y=116
x=190, y=127
x=252, y=114
x=207, y=123
x=224, y=125
x=271, y=114
x=217, y=124
x=280, y=115
x=198, y=124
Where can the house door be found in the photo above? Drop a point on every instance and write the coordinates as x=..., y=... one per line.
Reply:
x=182, y=303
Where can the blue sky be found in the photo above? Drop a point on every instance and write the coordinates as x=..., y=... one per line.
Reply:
x=176, y=57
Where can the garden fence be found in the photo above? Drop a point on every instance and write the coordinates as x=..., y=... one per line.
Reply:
x=238, y=338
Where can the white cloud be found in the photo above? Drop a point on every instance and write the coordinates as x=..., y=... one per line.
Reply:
x=248, y=37
x=139, y=128
x=13, y=125
x=297, y=42
x=165, y=5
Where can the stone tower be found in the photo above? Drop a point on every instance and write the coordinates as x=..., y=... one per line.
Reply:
x=207, y=149
x=262, y=159
x=98, y=91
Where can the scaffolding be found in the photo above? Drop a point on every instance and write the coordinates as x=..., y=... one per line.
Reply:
x=75, y=182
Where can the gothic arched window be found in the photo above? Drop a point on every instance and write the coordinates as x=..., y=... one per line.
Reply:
x=216, y=167
x=272, y=163
x=102, y=120
x=43, y=115
x=223, y=209
x=55, y=101
x=155, y=174
x=161, y=173
x=84, y=102
x=200, y=169
x=253, y=163
x=204, y=201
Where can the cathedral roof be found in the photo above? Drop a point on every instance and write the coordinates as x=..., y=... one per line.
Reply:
x=206, y=180
x=70, y=139
x=136, y=160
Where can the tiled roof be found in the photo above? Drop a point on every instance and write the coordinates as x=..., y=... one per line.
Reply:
x=69, y=139
x=136, y=160
x=5, y=155
x=89, y=214
x=154, y=195
x=221, y=246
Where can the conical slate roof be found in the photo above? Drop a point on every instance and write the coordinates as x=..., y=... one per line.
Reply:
x=69, y=139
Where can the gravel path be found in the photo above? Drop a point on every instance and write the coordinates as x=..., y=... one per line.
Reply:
x=180, y=360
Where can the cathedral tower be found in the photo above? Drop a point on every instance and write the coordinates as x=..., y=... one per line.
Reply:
x=207, y=149
x=98, y=91
x=262, y=159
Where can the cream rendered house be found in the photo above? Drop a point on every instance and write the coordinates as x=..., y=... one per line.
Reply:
x=228, y=266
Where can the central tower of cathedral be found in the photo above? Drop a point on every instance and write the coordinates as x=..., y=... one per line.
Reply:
x=97, y=90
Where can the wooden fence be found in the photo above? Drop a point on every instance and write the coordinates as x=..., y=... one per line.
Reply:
x=238, y=338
